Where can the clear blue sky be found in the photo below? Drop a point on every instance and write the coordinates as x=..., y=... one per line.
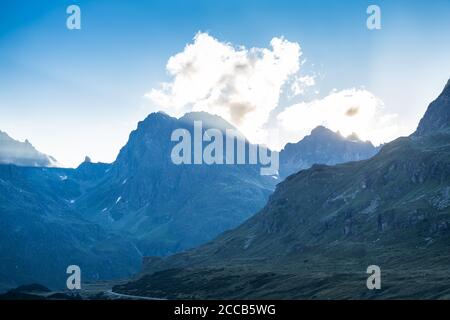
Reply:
x=80, y=92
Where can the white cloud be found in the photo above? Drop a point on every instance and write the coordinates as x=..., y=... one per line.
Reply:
x=241, y=85
x=244, y=85
x=300, y=84
x=348, y=111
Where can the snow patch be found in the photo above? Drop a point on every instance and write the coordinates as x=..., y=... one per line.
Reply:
x=248, y=242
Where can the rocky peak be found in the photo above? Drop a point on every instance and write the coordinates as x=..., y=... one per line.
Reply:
x=322, y=131
x=208, y=120
x=323, y=146
x=447, y=88
x=437, y=116
x=22, y=153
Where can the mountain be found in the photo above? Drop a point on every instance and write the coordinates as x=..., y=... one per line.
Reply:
x=22, y=153
x=42, y=233
x=104, y=217
x=437, y=117
x=324, y=226
x=168, y=207
x=323, y=146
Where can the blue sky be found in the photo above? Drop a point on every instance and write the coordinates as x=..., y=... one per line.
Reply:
x=80, y=92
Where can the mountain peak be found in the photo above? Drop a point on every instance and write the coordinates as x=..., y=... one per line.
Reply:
x=353, y=137
x=447, y=87
x=155, y=116
x=4, y=136
x=437, y=116
x=208, y=120
x=323, y=146
x=321, y=130
x=22, y=153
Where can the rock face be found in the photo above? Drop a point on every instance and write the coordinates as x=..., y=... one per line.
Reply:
x=324, y=226
x=437, y=117
x=323, y=146
x=168, y=207
x=22, y=153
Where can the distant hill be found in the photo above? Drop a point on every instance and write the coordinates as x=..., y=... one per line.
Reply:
x=22, y=153
x=324, y=226
x=323, y=146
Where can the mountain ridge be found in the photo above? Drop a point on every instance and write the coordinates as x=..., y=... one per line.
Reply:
x=324, y=226
x=22, y=153
x=437, y=116
x=323, y=146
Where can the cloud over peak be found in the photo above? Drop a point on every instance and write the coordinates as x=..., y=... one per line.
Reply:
x=244, y=86
x=348, y=111
x=241, y=85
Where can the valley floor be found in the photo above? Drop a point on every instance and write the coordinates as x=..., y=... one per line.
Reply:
x=421, y=274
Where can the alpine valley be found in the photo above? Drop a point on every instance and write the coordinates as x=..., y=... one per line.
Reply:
x=106, y=217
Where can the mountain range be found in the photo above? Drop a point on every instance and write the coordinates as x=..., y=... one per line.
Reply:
x=22, y=153
x=106, y=217
x=324, y=226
